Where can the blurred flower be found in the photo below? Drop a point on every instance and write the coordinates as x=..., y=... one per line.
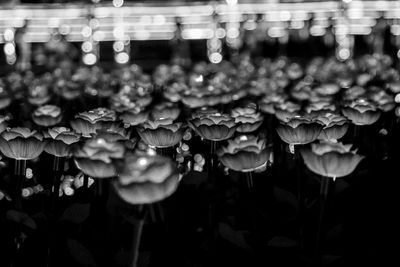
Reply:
x=59, y=141
x=38, y=93
x=248, y=117
x=131, y=118
x=5, y=99
x=145, y=179
x=212, y=125
x=331, y=159
x=361, y=112
x=165, y=110
x=132, y=97
x=245, y=153
x=21, y=143
x=161, y=133
x=97, y=157
x=335, y=126
x=88, y=122
x=48, y=115
x=3, y=122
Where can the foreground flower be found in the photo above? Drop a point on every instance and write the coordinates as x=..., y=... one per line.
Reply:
x=249, y=118
x=97, y=157
x=331, y=159
x=48, y=115
x=335, y=126
x=361, y=112
x=3, y=122
x=21, y=143
x=245, y=153
x=212, y=125
x=299, y=130
x=145, y=179
x=59, y=141
x=88, y=122
x=161, y=133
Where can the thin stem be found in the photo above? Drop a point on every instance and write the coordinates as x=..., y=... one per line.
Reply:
x=249, y=180
x=137, y=234
x=323, y=193
x=19, y=171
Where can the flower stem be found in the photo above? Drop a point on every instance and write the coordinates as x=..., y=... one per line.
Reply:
x=19, y=172
x=249, y=180
x=323, y=194
x=137, y=234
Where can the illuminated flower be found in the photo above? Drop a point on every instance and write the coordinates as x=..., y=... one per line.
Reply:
x=134, y=96
x=113, y=133
x=161, y=133
x=211, y=125
x=165, y=110
x=327, y=89
x=59, y=141
x=88, y=122
x=47, y=115
x=286, y=110
x=270, y=101
x=38, y=94
x=21, y=143
x=134, y=118
x=97, y=157
x=361, y=112
x=145, y=179
x=249, y=118
x=331, y=159
x=335, y=126
x=299, y=130
x=245, y=153
x=69, y=89
x=383, y=100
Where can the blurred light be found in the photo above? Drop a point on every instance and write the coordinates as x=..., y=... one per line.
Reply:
x=98, y=36
x=220, y=33
x=118, y=32
x=344, y=53
x=122, y=58
x=87, y=46
x=94, y=23
x=231, y=2
x=145, y=20
x=54, y=22
x=398, y=54
x=297, y=24
x=11, y=59
x=395, y=29
x=276, y=32
x=118, y=46
x=284, y=15
x=64, y=29
x=9, y=49
x=142, y=35
x=89, y=59
x=197, y=33
x=250, y=25
x=232, y=33
x=86, y=31
x=317, y=30
x=118, y=3
x=214, y=44
x=347, y=1
x=159, y=20
x=9, y=35
x=215, y=58
x=142, y=161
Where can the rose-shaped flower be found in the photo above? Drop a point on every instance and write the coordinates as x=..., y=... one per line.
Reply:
x=3, y=122
x=113, y=133
x=161, y=133
x=21, y=143
x=133, y=118
x=38, y=93
x=287, y=110
x=69, y=89
x=88, y=122
x=249, y=118
x=145, y=179
x=361, y=112
x=335, y=126
x=97, y=157
x=212, y=125
x=299, y=130
x=59, y=141
x=327, y=89
x=245, y=153
x=48, y=115
x=270, y=101
x=331, y=159
x=383, y=100
x=134, y=96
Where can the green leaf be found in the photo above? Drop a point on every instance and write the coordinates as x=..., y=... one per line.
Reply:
x=76, y=213
x=80, y=253
x=21, y=218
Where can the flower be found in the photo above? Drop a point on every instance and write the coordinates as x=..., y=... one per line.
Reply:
x=165, y=110
x=361, y=112
x=145, y=179
x=38, y=93
x=161, y=133
x=249, y=118
x=97, y=156
x=3, y=122
x=335, y=126
x=88, y=122
x=21, y=143
x=245, y=153
x=299, y=130
x=135, y=96
x=59, y=141
x=211, y=125
x=132, y=118
x=113, y=133
x=5, y=99
x=331, y=159
x=47, y=115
